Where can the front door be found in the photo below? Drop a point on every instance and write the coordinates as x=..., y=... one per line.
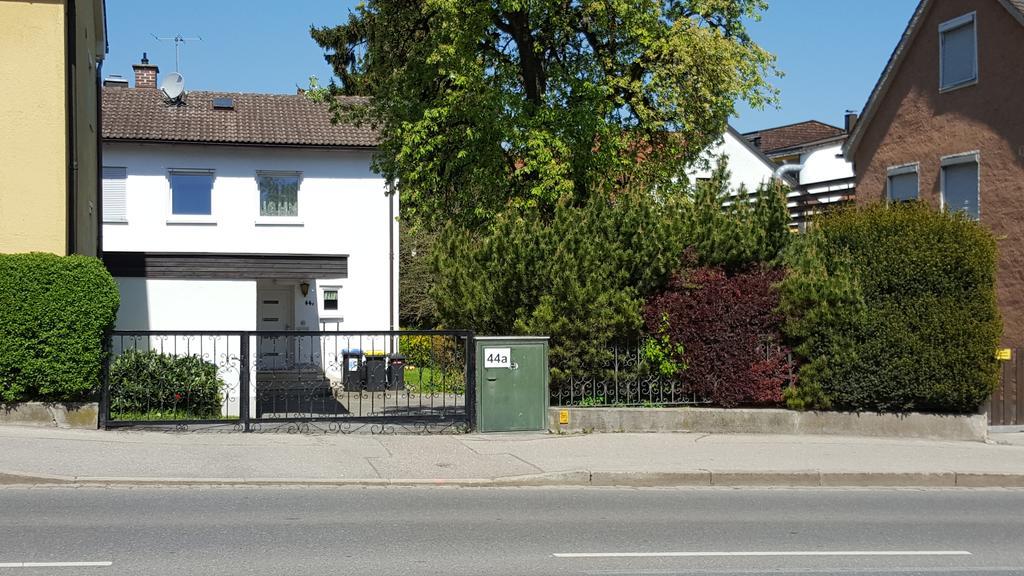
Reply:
x=275, y=313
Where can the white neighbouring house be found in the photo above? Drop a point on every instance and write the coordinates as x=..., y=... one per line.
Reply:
x=823, y=178
x=748, y=167
x=241, y=212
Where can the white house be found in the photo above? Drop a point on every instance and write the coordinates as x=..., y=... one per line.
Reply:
x=814, y=151
x=239, y=212
x=748, y=166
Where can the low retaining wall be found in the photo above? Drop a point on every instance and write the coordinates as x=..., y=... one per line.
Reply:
x=69, y=415
x=769, y=421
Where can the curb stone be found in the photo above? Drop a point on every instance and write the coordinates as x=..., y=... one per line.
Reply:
x=893, y=479
x=569, y=478
x=795, y=478
x=7, y=479
x=696, y=478
x=651, y=479
x=971, y=480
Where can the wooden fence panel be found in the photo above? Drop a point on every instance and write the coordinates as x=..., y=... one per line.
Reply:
x=1019, y=391
x=1006, y=407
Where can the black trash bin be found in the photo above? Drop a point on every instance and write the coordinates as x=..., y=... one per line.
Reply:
x=376, y=379
x=396, y=372
x=352, y=375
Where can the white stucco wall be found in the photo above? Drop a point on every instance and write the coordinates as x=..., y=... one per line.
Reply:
x=342, y=209
x=160, y=304
x=191, y=305
x=746, y=167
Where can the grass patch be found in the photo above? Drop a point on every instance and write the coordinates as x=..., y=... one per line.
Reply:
x=599, y=401
x=423, y=380
x=152, y=415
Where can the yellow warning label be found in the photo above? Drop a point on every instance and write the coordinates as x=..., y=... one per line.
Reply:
x=563, y=416
x=1004, y=354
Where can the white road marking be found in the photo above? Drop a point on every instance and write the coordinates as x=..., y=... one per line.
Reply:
x=54, y=564
x=763, y=553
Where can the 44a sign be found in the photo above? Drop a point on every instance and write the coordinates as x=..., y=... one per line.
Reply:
x=497, y=357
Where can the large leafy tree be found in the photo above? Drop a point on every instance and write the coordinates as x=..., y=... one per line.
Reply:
x=486, y=106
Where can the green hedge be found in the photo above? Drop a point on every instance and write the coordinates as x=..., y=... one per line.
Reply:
x=147, y=382
x=54, y=311
x=893, y=309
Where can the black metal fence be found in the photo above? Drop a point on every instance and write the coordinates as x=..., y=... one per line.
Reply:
x=632, y=376
x=627, y=378
x=331, y=381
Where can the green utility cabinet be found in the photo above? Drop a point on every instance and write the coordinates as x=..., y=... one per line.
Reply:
x=512, y=383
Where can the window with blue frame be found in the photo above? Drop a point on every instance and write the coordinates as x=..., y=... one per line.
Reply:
x=191, y=192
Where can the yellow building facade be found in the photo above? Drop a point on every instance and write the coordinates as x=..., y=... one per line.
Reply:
x=49, y=149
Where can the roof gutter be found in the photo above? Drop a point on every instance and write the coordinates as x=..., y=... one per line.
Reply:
x=109, y=140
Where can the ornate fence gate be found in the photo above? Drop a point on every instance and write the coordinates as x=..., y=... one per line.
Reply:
x=258, y=381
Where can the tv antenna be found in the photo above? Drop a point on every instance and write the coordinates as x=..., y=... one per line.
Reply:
x=178, y=40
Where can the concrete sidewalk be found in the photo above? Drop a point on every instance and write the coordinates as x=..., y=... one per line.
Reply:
x=43, y=456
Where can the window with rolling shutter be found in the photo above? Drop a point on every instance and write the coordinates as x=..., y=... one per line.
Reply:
x=902, y=183
x=958, y=53
x=115, y=201
x=959, y=184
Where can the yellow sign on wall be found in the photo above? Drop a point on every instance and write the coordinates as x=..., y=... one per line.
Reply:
x=1004, y=354
x=563, y=416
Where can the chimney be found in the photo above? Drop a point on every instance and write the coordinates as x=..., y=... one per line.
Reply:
x=115, y=81
x=850, y=120
x=145, y=73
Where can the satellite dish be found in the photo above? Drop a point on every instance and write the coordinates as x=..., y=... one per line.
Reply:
x=173, y=85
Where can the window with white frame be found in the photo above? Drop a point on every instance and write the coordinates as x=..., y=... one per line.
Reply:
x=958, y=52
x=331, y=300
x=902, y=183
x=279, y=193
x=191, y=192
x=960, y=184
x=115, y=200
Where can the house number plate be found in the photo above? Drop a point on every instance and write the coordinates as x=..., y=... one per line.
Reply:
x=497, y=357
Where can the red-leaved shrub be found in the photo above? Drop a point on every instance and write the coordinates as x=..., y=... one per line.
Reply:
x=729, y=327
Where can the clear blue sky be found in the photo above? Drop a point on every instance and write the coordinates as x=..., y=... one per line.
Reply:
x=831, y=51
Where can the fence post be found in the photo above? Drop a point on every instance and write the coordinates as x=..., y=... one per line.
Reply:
x=104, y=408
x=471, y=380
x=243, y=377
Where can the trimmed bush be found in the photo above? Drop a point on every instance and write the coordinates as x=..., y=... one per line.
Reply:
x=433, y=364
x=55, y=313
x=433, y=351
x=146, y=381
x=729, y=329
x=894, y=310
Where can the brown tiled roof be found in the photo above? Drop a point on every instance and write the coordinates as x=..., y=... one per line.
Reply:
x=141, y=114
x=792, y=135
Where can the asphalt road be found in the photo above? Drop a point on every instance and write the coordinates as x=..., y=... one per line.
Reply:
x=418, y=531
